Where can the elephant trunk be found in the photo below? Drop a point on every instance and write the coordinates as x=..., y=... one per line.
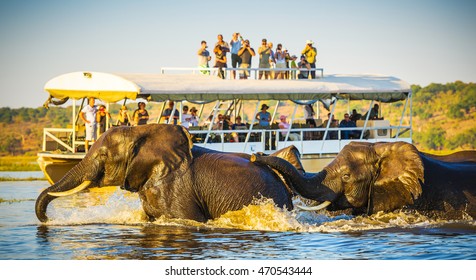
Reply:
x=308, y=185
x=66, y=186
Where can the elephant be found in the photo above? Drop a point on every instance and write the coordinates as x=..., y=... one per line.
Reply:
x=366, y=178
x=173, y=178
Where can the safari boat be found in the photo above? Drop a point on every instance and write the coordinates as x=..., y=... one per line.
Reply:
x=63, y=147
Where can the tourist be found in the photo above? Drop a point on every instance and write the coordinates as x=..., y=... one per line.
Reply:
x=101, y=119
x=204, y=57
x=194, y=120
x=186, y=117
x=309, y=114
x=264, y=54
x=303, y=64
x=246, y=53
x=88, y=115
x=347, y=122
x=280, y=57
x=141, y=116
x=168, y=112
x=284, y=126
x=236, y=44
x=264, y=117
x=310, y=53
x=123, y=117
x=220, y=60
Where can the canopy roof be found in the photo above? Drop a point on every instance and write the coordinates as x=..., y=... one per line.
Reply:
x=205, y=88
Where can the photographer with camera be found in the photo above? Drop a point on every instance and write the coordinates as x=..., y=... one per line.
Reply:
x=310, y=53
x=246, y=53
x=303, y=64
x=280, y=56
x=204, y=57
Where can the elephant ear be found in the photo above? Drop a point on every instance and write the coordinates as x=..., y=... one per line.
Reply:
x=400, y=170
x=157, y=151
x=292, y=155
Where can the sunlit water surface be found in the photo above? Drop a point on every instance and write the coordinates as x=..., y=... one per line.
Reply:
x=110, y=224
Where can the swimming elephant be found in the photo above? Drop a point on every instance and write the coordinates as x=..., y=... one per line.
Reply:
x=372, y=177
x=173, y=178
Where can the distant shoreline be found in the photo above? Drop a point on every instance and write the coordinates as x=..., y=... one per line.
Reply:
x=12, y=179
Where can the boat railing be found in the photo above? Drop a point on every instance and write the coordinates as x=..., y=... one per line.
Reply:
x=318, y=140
x=253, y=72
x=61, y=140
x=312, y=140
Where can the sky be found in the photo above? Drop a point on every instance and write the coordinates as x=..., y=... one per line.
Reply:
x=418, y=41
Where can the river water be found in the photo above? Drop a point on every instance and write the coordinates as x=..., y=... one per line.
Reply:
x=110, y=224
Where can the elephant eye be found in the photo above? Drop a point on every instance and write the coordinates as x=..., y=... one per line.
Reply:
x=346, y=178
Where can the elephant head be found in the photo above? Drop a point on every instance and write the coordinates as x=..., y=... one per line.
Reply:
x=364, y=176
x=125, y=156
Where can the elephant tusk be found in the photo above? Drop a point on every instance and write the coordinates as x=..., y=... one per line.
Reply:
x=79, y=188
x=315, y=208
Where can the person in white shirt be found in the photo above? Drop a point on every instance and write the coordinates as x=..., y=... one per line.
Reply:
x=284, y=126
x=186, y=117
x=88, y=115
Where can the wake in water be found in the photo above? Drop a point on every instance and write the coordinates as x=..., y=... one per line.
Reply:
x=121, y=207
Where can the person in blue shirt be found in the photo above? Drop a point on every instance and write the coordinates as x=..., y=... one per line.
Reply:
x=347, y=122
x=235, y=43
x=264, y=117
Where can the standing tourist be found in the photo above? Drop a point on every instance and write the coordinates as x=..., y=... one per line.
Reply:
x=264, y=117
x=246, y=53
x=101, y=119
x=224, y=45
x=220, y=60
x=168, y=112
x=123, y=118
x=236, y=44
x=141, y=116
x=280, y=57
x=204, y=57
x=310, y=53
x=264, y=54
x=309, y=115
x=88, y=115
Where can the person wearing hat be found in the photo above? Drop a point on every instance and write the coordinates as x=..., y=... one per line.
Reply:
x=310, y=53
x=194, y=117
x=293, y=65
x=264, y=52
x=123, y=118
x=246, y=53
x=264, y=117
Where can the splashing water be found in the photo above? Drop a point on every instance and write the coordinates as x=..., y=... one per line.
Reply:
x=121, y=207
x=118, y=207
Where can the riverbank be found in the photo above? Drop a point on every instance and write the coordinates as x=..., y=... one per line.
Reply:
x=19, y=163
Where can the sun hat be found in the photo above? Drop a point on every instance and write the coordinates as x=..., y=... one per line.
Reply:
x=264, y=105
x=309, y=42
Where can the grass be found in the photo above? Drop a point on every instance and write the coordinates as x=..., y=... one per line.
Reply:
x=10, y=201
x=10, y=179
x=19, y=163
